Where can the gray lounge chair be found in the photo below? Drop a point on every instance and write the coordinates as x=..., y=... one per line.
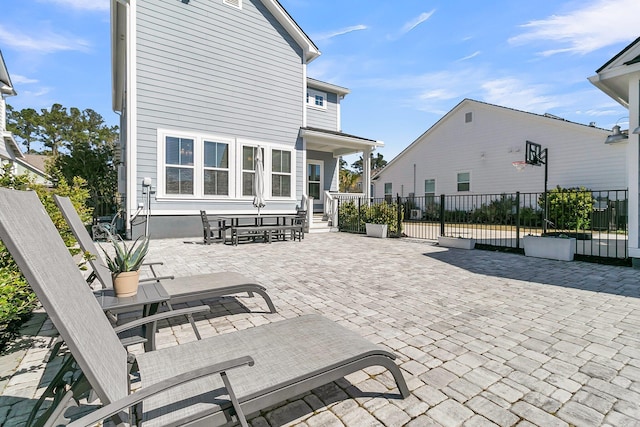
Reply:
x=208, y=382
x=181, y=289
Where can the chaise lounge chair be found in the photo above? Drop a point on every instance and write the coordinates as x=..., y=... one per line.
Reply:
x=181, y=289
x=208, y=382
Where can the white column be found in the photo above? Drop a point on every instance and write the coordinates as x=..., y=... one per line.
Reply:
x=366, y=172
x=633, y=166
x=3, y=114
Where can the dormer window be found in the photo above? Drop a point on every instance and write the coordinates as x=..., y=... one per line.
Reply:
x=316, y=99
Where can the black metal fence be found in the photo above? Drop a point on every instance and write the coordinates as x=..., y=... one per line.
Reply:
x=597, y=219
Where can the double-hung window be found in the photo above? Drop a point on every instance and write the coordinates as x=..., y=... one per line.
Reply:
x=216, y=168
x=179, y=167
x=388, y=191
x=280, y=173
x=249, y=168
x=464, y=181
x=429, y=192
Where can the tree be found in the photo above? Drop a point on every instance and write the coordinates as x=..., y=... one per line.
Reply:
x=377, y=162
x=80, y=145
x=24, y=124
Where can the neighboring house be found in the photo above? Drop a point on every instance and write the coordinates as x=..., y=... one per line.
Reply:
x=200, y=86
x=620, y=79
x=471, y=150
x=9, y=149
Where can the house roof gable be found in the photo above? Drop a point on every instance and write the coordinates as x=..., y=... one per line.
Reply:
x=465, y=103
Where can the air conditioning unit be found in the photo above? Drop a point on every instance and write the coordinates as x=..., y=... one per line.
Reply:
x=415, y=214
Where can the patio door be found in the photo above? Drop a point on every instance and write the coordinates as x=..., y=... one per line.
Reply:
x=315, y=187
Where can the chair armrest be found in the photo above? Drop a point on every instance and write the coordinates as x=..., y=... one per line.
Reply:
x=156, y=278
x=161, y=316
x=137, y=397
x=153, y=263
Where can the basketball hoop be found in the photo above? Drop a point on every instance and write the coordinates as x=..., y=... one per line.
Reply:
x=519, y=165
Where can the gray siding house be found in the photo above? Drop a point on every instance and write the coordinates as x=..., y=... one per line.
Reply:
x=200, y=86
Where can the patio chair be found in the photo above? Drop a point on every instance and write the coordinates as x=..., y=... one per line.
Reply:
x=213, y=381
x=182, y=289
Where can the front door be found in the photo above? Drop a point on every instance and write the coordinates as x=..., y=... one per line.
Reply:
x=315, y=186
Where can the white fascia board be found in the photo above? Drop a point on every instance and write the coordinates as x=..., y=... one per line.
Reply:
x=339, y=141
x=10, y=141
x=310, y=50
x=328, y=87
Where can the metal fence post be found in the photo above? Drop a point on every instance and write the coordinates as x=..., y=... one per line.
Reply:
x=442, y=214
x=517, y=220
x=399, y=222
x=357, y=226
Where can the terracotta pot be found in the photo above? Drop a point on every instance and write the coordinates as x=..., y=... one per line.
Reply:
x=126, y=284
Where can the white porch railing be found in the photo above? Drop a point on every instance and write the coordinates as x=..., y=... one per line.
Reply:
x=331, y=200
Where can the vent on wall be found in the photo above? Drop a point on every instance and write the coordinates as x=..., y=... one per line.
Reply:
x=468, y=117
x=234, y=3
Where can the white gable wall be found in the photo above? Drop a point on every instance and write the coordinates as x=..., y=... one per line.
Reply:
x=487, y=146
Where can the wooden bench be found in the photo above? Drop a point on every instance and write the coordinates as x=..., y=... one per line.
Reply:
x=252, y=231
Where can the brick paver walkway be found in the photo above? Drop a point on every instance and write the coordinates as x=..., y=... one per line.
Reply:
x=483, y=338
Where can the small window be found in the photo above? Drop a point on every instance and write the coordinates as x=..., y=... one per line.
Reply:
x=234, y=3
x=464, y=181
x=429, y=193
x=468, y=117
x=316, y=99
x=280, y=173
x=388, y=191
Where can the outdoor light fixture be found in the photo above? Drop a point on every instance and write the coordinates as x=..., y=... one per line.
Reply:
x=185, y=1
x=617, y=135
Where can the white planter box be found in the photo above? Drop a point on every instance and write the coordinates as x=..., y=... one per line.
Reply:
x=562, y=249
x=376, y=230
x=457, y=242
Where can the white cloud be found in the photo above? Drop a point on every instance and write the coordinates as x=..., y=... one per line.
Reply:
x=598, y=24
x=341, y=32
x=20, y=79
x=90, y=5
x=45, y=42
x=409, y=26
x=473, y=55
x=514, y=93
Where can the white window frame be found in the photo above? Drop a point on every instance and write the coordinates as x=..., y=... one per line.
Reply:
x=311, y=99
x=458, y=182
x=289, y=174
x=268, y=169
x=228, y=169
x=198, y=164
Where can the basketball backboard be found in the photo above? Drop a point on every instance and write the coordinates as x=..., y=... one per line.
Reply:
x=534, y=154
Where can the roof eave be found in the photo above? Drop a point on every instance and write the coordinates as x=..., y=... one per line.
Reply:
x=310, y=50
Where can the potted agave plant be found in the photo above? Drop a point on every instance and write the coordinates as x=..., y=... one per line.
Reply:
x=125, y=263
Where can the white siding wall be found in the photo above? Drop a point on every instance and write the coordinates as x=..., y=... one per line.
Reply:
x=495, y=138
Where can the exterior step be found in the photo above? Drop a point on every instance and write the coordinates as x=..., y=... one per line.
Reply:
x=319, y=225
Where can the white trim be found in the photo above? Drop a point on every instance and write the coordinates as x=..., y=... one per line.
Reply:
x=633, y=168
x=131, y=113
x=304, y=94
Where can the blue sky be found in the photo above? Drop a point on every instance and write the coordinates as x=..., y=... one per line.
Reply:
x=406, y=63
